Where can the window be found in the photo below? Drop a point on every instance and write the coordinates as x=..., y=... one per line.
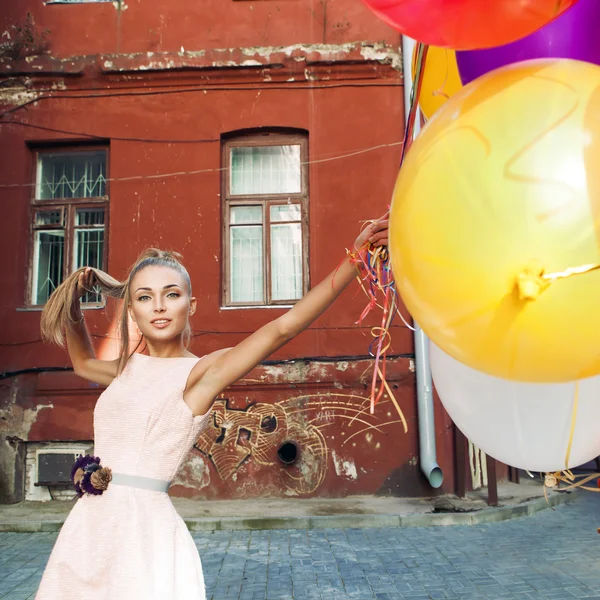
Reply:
x=69, y=214
x=265, y=240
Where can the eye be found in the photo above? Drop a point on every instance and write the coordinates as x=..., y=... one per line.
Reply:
x=173, y=295
x=143, y=298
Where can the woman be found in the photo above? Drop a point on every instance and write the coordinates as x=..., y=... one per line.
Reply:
x=123, y=539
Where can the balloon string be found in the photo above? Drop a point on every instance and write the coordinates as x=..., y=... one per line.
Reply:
x=573, y=481
x=552, y=480
x=376, y=281
x=415, y=93
x=440, y=90
x=571, y=271
x=573, y=421
x=532, y=281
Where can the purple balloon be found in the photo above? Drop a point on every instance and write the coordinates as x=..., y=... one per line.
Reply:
x=575, y=35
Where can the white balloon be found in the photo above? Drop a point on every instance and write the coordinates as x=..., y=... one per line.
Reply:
x=524, y=425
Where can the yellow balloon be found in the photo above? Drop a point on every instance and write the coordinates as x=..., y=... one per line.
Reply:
x=440, y=79
x=498, y=198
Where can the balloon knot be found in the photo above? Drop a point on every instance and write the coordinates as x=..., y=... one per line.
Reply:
x=530, y=282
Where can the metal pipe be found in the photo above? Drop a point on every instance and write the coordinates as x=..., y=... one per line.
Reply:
x=427, y=450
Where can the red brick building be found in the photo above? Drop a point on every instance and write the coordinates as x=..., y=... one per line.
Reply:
x=252, y=137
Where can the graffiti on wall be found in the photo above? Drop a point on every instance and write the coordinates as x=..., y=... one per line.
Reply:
x=265, y=432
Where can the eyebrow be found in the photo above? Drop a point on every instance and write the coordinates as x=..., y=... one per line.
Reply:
x=166, y=287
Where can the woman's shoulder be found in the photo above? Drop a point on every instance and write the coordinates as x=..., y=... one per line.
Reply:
x=204, y=363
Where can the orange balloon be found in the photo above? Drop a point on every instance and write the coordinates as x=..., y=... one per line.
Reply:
x=440, y=79
x=468, y=24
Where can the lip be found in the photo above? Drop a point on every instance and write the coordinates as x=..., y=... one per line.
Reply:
x=160, y=323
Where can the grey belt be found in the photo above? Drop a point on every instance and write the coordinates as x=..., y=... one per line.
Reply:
x=144, y=483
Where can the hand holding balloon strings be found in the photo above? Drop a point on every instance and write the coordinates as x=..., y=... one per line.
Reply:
x=376, y=278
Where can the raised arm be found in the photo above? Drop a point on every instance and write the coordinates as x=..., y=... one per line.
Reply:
x=81, y=352
x=209, y=378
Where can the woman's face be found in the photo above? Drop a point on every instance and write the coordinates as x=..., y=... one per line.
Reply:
x=160, y=302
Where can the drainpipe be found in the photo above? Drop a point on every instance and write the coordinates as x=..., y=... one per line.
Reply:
x=427, y=451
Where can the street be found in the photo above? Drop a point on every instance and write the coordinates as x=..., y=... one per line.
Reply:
x=553, y=555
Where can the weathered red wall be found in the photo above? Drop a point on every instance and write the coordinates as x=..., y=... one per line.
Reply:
x=165, y=26
x=348, y=98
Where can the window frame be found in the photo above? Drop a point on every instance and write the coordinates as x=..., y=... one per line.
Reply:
x=69, y=207
x=265, y=201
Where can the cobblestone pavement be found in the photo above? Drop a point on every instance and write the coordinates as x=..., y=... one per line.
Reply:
x=552, y=555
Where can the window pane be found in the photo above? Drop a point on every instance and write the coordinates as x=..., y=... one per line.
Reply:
x=286, y=262
x=90, y=216
x=49, y=217
x=246, y=256
x=245, y=214
x=285, y=212
x=71, y=175
x=48, y=264
x=265, y=170
x=88, y=250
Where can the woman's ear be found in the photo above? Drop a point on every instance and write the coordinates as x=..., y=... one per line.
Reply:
x=193, y=305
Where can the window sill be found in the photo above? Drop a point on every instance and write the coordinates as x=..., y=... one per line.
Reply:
x=256, y=307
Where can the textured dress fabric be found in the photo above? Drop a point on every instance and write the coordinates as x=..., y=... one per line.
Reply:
x=130, y=543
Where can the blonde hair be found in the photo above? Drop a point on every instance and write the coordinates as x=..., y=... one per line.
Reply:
x=62, y=306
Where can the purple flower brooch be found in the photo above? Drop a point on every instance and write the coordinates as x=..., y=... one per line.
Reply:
x=89, y=477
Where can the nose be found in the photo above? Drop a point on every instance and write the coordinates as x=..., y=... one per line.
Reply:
x=159, y=306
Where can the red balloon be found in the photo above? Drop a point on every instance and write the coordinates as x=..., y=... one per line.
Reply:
x=468, y=24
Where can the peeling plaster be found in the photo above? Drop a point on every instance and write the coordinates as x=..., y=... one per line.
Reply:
x=19, y=419
x=194, y=474
x=259, y=56
x=17, y=97
x=383, y=55
x=344, y=468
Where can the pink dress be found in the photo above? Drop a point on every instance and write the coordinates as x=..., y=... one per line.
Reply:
x=130, y=542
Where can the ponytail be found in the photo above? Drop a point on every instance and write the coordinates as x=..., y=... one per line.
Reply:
x=62, y=307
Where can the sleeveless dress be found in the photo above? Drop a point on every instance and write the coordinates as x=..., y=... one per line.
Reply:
x=129, y=542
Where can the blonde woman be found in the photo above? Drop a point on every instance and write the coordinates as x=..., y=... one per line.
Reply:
x=123, y=539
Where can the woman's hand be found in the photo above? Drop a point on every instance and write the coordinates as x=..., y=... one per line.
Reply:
x=85, y=283
x=376, y=234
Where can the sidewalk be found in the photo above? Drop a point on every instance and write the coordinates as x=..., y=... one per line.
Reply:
x=516, y=500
